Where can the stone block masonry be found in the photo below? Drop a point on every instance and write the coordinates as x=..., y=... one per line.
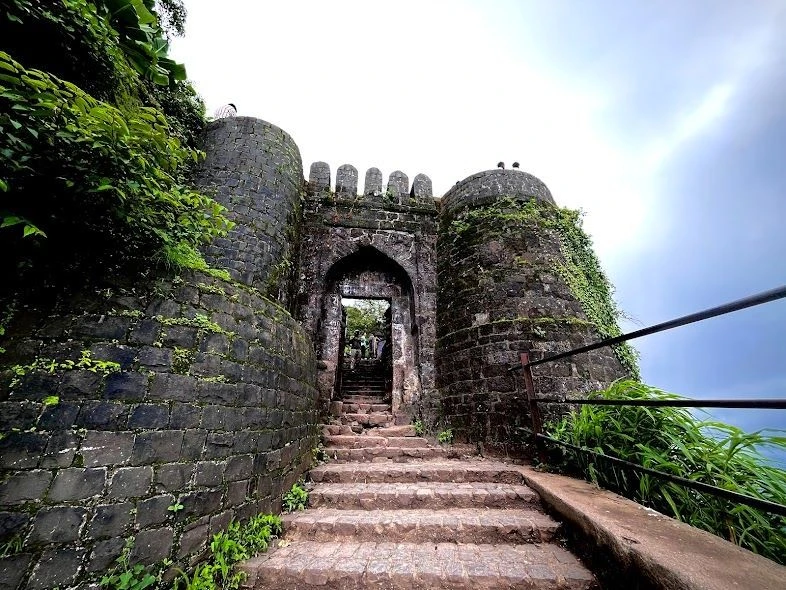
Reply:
x=155, y=414
x=380, y=243
x=254, y=169
x=501, y=292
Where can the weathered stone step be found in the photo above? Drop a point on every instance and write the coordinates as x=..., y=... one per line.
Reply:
x=361, y=442
x=374, y=419
x=394, y=431
x=436, y=471
x=377, y=401
x=363, y=399
x=354, y=408
x=381, y=453
x=456, y=525
x=352, y=566
x=364, y=390
x=426, y=495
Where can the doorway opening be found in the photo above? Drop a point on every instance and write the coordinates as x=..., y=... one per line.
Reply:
x=367, y=359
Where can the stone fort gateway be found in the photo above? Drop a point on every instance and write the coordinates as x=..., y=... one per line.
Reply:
x=210, y=394
x=460, y=314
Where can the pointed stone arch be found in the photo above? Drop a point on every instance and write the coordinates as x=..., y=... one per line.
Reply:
x=367, y=272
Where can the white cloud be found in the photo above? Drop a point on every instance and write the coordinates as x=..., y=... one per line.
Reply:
x=441, y=88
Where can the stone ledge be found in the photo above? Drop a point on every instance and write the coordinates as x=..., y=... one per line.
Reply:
x=667, y=553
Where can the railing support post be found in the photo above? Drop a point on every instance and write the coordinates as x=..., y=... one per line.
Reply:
x=534, y=410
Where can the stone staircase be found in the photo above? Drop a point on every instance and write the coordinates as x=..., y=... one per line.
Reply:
x=390, y=510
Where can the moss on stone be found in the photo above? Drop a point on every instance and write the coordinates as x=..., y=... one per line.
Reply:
x=578, y=265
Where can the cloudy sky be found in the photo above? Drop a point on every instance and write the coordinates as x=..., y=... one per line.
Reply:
x=664, y=121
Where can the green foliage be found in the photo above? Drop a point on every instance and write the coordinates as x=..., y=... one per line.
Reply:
x=199, y=321
x=93, y=172
x=238, y=542
x=85, y=363
x=51, y=400
x=445, y=437
x=295, y=499
x=674, y=441
x=419, y=427
x=366, y=315
x=172, y=14
x=81, y=46
x=182, y=359
x=175, y=508
x=319, y=455
x=12, y=546
x=143, y=41
x=63, y=152
x=578, y=265
x=124, y=576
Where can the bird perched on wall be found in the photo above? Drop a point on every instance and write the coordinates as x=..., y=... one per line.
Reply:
x=501, y=165
x=515, y=164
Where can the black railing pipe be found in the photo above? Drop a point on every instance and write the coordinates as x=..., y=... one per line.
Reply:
x=765, y=297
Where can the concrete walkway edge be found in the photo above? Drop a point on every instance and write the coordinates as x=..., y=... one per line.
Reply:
x=670, y=554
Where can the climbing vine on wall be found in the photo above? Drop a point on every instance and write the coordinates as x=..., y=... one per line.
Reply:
x=578, y=265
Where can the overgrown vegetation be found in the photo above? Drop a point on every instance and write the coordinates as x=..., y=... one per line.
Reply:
x=578, y=265
x=240, y=541
x=40, y=364
x=673, y=440
x=366, y=315
x=295, y=499
x=124, y=576
x=97, y=130
x=420, y=428
x=445, y=437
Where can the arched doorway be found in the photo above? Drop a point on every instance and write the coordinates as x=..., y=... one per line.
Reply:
x=371, y=275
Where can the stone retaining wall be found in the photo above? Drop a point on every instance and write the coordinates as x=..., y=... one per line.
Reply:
x=197, y=405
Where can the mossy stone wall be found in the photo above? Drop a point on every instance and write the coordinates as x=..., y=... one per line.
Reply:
x=503, y=290
x=196, y=405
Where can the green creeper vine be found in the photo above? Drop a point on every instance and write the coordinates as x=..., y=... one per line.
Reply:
x=578, y=266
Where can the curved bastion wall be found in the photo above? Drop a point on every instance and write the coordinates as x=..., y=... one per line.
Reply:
x=156, y=411
x=501, y=292
x=254, y=169
x=154, y=414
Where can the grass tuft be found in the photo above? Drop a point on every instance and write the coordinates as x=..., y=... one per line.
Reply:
x=673, y=440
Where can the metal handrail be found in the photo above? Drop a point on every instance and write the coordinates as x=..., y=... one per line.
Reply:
x=758, y=404
x=526, y=365
x=760, y=298
x=772, y=507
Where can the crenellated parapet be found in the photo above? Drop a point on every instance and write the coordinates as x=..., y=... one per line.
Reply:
x=347, y=180
x=319, y=178
x=396, y=192
x=373, y=182
x=398, y=184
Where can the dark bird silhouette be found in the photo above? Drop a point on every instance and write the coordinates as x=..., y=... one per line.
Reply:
x=515, y=164
x=501, y=165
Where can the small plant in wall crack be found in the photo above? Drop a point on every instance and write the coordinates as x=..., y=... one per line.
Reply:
x=319, y=455
x=124, y=576
x=176, y=507
x=295, y=499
